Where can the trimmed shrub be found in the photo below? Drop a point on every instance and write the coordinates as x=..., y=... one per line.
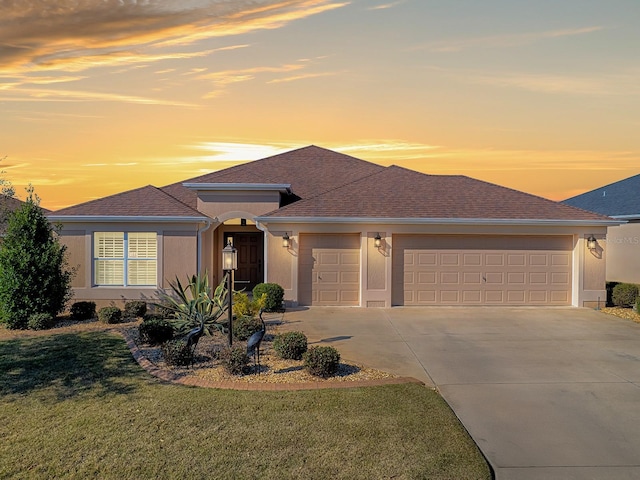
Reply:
x=275, y=295
x=290, y=345
x=135, y=309
x=244, y=327
x=176, y=352
x=638, y=305
x=243, y=307
x=83, y=310
x=322, y=361
x=234, y=360
x=41, y=321
x=624, y=294
x=110, y=315
x=155, y=331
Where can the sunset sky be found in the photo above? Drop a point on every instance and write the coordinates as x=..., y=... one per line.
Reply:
x=101, y=96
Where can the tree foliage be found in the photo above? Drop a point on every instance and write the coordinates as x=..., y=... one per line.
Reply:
x=34, y=274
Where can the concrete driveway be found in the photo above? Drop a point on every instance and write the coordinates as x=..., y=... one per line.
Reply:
x=546, y=393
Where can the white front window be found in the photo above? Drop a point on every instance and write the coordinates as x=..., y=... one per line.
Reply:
x=125, y=258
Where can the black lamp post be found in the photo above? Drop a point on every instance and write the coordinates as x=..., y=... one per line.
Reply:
x=229, y=264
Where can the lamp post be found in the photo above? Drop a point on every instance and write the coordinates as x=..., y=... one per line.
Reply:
x=229, y=264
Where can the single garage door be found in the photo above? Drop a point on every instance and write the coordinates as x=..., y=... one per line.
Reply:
x=481, y=270
x=329, y=270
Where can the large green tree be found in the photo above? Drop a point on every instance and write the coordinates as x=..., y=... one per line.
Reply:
x=34, y=274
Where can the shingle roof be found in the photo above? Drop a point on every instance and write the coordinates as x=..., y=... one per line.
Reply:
x=396, y=192
x=616, y=199
x=309, y=170
x=147, y=201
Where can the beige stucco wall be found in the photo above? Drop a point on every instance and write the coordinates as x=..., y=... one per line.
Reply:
x=623, y=253
x=226, y=205
x=376, y=284
x=177, y=254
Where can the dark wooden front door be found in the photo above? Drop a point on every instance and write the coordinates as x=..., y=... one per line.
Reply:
x=250, y=260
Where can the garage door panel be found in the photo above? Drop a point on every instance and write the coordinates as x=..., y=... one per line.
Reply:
x=560, y=260
x=426, y=296
x=539, y=260
x=472, y=259
x=329, y=270
x=472, y=278
x=427, y=259
x=450, y=259
x=450, y=297
x=499, y=269
x=538, y=278
x=560, y=278
x=494, y=278
x=471, y=296
x=450, y=278
x=519, y=260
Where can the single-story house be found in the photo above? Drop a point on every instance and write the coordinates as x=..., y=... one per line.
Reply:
x=332, y=229
x=621, y=201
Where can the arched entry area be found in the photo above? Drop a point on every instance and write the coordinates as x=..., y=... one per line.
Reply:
x=249, y=242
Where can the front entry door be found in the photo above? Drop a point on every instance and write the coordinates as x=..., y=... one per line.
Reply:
x=250, y=259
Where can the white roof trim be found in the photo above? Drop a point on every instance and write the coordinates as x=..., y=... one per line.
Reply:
x=225, y=187
x=436, y=221
x=123, y=219
x=629, y=217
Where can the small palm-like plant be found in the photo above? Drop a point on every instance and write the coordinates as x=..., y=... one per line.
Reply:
x=192, y=305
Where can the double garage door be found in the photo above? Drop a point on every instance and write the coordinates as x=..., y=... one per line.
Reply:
x=481, y=270
x=442, y=270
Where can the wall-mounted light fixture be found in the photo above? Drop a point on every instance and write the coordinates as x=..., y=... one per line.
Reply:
x=592, y=243
x=377, y=240
x=285, y=240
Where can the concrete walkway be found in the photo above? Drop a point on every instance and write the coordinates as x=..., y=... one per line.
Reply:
x=546, y=393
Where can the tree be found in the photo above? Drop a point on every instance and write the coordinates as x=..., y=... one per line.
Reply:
x=34, y=274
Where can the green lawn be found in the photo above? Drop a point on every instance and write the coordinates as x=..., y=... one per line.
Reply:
x=78, y=406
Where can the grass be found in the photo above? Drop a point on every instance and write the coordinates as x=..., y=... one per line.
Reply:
x=78, y=406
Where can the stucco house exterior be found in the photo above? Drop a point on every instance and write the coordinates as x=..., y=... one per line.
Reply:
x=621, y=201
x=332, y=229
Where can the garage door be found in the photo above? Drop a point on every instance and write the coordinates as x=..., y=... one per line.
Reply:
x=329, y=270
x=481, y=270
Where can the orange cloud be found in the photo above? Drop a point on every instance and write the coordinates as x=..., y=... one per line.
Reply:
x=72, y=35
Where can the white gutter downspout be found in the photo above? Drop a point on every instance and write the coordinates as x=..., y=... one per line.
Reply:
x=263, y=229
x=207, y=225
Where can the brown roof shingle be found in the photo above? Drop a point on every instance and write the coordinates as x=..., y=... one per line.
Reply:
x=146, y=201
x=397, y=192
x=309, y=170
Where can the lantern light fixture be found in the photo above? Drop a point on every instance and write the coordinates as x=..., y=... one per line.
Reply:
x=286, y=241
x=592, y=243
x=377, y=240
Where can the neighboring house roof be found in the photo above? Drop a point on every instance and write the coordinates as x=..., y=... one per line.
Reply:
x=145, y=202
x=620, y=199
x=399, y=193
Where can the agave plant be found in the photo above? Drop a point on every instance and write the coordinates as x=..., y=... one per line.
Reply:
x=193, y=306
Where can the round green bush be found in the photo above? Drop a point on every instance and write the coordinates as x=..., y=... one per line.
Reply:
x=110, y=315
x=83, y=310
x=624, y=294
x=135, y=309
x=155, y=331
x=275, y=295
x=245, y=326
x=322, y=361
x=290, y=345
x=234, y=360
x=41, y=321
x=177, y=353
